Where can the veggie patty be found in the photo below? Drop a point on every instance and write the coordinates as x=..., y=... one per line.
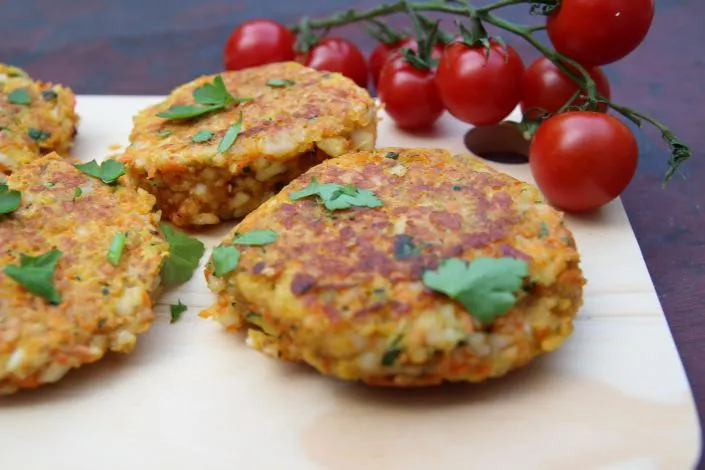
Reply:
x=401, y=267
x=79, y=263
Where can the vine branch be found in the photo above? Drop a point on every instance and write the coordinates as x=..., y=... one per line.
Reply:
x=680, y=152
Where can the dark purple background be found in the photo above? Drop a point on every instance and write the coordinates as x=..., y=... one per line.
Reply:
x=149, y=46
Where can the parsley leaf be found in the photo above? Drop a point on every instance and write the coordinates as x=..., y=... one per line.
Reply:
x=165, y=133
x=225, y=259
x=393, y=352
x=9, y=200
x=280, y=83
x=404, y=247
x=36, y=273
x=230, y=135
x=204, y=135
x=77, y=192
x=392, y=155
x=108, y=172
x=213, y=93
x=184, y=254
x=38, y=134
x=209, y=96
x=187, y=111
x=257, y=237
x=176, y=311
x=19, y=96
x=116, y=248
x=49, y=95
x=543, y=232
x=486, y=287
x=335, y=196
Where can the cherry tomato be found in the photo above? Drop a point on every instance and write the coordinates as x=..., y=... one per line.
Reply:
x=546, y=87
x=410, y=95
x=382, y=52
x=338, y=55
x=599, y=32
x=258, y=42
x=581, y=160
x=477, y=89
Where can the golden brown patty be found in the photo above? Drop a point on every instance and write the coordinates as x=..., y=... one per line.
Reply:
x=102, y=306
x=35, y=118
x=307, y=117
x=343, y=290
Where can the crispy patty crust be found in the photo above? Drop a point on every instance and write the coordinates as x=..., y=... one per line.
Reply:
x=35, y=118
x=103, y=306
x=308, y=117
x=343, y=291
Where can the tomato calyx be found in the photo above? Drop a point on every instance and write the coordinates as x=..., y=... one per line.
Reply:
x=382, y=32
x=306, y=39
x=422, y=58
x=477, y=36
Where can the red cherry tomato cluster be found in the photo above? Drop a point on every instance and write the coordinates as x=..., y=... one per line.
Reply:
x=580, y=159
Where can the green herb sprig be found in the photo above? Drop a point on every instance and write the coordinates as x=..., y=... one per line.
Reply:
x=10, y=200
x=176, y=310
x=225, y=258
x=117, y=246
x=109, y=171
x=19, y=96
x=280, y=83
x=486, y=287
x=185, y=253
x=230, y=135
x=36, y=274
x=208, y=97
x=336, y=197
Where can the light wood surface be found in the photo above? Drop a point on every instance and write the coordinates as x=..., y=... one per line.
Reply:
x=195, y=398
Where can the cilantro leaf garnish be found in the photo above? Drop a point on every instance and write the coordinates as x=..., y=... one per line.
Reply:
x=38, y=134
x=204, y=135
x=165, y=133
x=108, y=171
x=36, y=274
x=176, y=311
x=404, y=247
x=9, y=200
x=209, y=97
x=543, y=232
x=213, y=93
x=116, y=248
x=187, y=111
x=184, y=254
x=49, y=95
x=257, y=237
x=230, y=135
x=280, y=83
x=225, y=259
x=486, y=287
x=335, y=196
x=77, y=192
x=19, y=96
x=393, y=352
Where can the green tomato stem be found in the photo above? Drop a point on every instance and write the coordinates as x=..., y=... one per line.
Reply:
x=680, y=152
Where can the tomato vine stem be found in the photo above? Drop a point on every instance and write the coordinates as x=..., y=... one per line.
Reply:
x=680, y=152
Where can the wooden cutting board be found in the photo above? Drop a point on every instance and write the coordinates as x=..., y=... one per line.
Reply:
x=195, y=398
